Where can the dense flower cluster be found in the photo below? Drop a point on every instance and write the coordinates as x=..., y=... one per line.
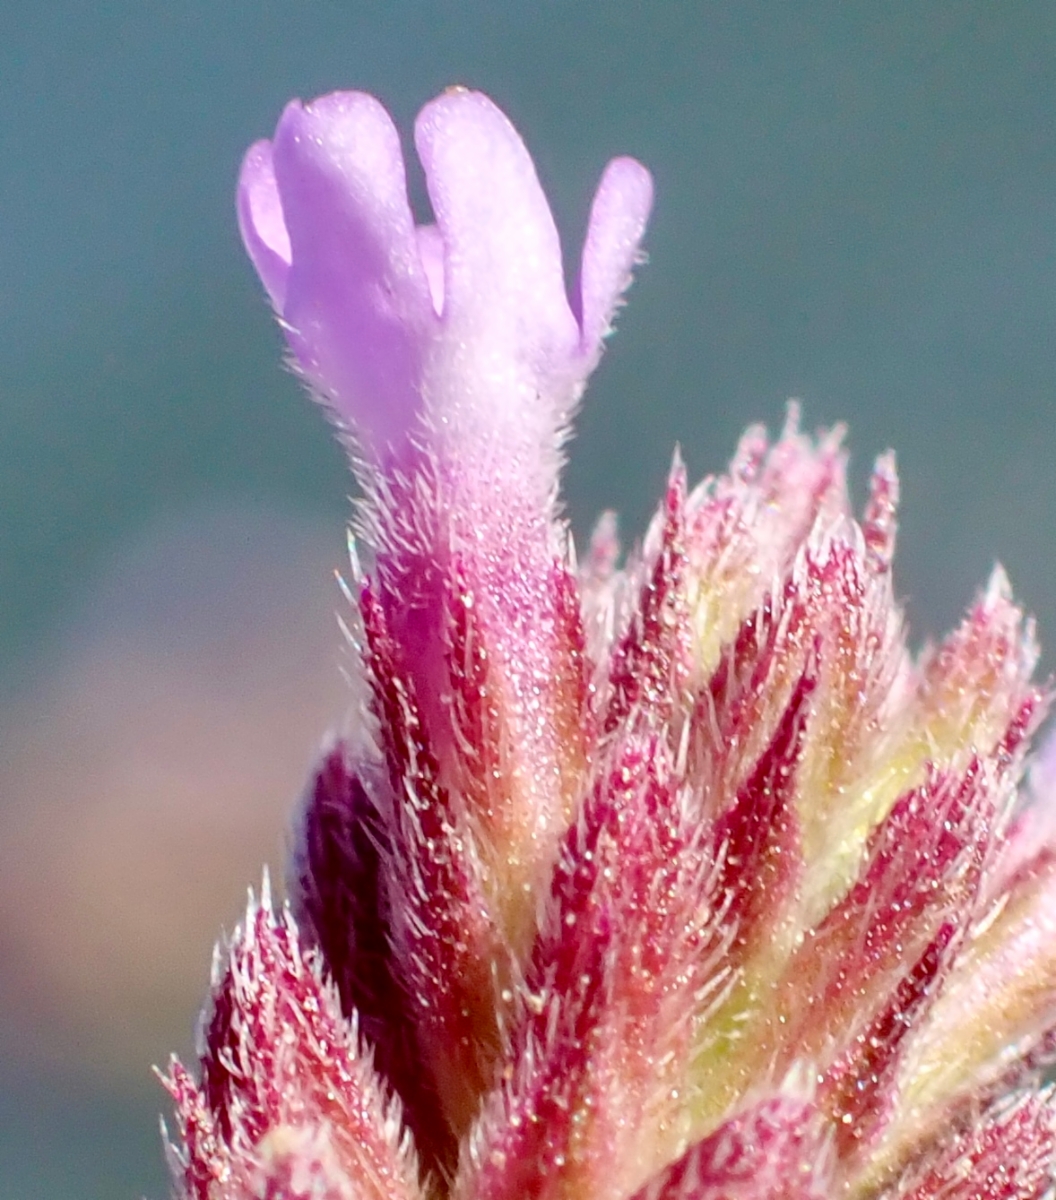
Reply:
x=676, y=878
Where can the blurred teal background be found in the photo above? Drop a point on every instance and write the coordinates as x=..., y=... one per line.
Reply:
x=856, y=206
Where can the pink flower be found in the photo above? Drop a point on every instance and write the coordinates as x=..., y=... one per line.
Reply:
x=674, y=880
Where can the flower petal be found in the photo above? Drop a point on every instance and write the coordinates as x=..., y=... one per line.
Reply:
x=618, y=217
x=504, y=288
x=357, y=307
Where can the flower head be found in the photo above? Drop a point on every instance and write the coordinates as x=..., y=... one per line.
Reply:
x=680, y=879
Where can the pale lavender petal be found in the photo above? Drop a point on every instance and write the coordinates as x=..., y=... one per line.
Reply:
x=504, y=287
x=618, y=218
x=358, y=308
x=261, y=222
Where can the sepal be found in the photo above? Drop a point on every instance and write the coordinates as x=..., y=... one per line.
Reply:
x=286, y=1088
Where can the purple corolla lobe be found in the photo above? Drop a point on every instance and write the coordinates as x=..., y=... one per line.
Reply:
x=324, y=216
x=463, y=330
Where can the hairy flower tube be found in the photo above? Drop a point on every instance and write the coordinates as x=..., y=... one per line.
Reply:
x=669, y=878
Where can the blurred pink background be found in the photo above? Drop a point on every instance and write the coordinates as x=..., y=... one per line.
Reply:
x=152, y=772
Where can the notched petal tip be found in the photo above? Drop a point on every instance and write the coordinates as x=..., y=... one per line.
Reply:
x=618, y=218
x=262, y=223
